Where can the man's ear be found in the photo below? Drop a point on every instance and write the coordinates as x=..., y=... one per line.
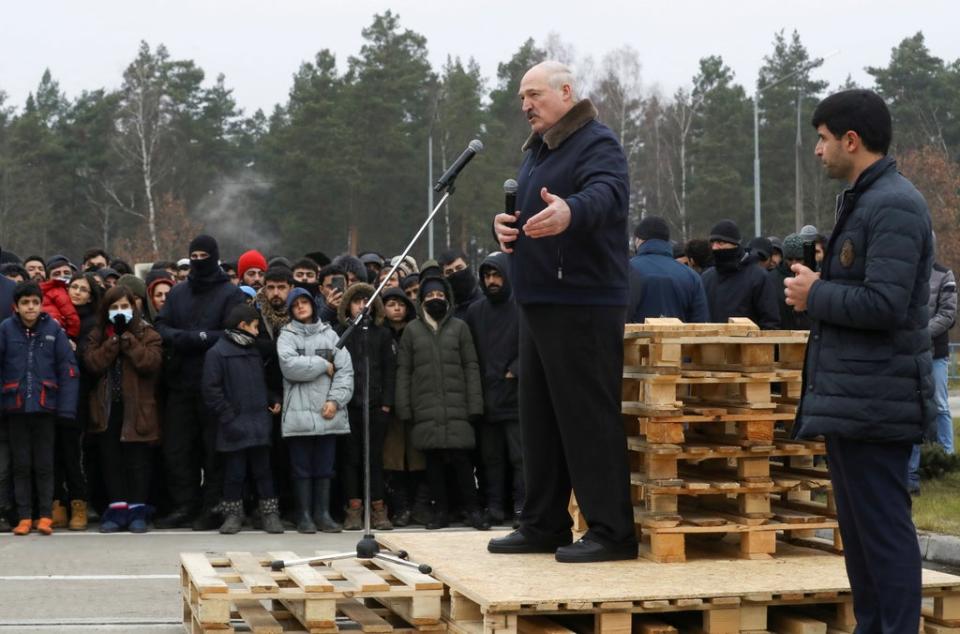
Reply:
x=851, y=141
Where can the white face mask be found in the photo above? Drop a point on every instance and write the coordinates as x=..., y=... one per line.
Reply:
x=126, y=312
x=63, y=278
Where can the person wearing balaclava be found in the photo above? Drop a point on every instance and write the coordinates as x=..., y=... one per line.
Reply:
x=495, y=324
x=736, y=286
x=190, y=322
x=462, y=280
x=439, y=393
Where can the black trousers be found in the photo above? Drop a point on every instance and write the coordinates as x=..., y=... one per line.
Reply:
x=70, y=481
x=500, y=446
x=459, y=461
x=312, y=456
x=571, y=370
x=880, y=546
x=31, y=447
x=351, y=463
x=189, y=451
x=235, y=465
x=126, y=466
x=6, y=479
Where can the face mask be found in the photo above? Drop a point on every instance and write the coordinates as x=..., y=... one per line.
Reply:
x=311, y=287
x=205, y=267
x=727, y=259
x=126, y=312
x=463, y=283
x=63, y=278
x=436, y=308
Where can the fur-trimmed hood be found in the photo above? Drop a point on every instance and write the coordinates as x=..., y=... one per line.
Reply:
x=343, y=312
x=582, y=113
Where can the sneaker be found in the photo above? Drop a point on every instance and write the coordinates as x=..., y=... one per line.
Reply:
x=23, y=528
x=45, y=526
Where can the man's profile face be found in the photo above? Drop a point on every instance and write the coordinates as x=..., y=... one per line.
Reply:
x=542, y=104
x=453, y=267
x=832, y=153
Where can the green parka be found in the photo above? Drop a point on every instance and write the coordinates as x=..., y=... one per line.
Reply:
x=438, y=381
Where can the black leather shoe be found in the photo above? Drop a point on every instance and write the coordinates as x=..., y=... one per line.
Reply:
x=180, y=517
x=518, y=543
x=586, y=551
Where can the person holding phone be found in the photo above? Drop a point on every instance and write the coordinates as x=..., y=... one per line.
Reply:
x=333, y=282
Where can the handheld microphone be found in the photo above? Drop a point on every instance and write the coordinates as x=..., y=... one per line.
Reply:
x=510, y=202
x=446, y=181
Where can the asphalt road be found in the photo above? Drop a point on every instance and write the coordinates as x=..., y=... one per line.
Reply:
x=88, y=582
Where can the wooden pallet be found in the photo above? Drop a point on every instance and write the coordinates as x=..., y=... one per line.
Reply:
x=710, y=389
x=804, y=592
x=239, y=587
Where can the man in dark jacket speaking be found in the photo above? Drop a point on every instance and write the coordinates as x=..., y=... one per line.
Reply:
x=867, y=377
x=569, y=273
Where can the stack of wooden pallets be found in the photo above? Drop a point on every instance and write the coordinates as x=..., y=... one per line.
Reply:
x=239, y=589
x=708, y=410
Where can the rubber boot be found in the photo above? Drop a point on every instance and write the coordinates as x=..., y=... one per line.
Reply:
x=421, y=511
x=321, y=507
x=303, y=493
x=353, y=521
x=233, y=512
x=270, y=516
x=78, y=515
x=59, y=515
x=378, y=516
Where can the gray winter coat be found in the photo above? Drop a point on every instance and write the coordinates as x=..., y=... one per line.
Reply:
x=306, y=384
x=943, y=309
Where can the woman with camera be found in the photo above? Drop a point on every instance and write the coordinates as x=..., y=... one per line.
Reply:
x=125, y=353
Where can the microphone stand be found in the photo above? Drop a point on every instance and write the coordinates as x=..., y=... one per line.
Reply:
x=367, y=547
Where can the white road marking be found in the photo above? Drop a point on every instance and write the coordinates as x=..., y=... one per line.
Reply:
x=88, y=577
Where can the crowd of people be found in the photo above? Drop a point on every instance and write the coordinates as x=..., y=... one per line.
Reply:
x=210, y=394
x=213, y=394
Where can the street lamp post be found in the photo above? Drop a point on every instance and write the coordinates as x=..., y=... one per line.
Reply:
x=756, y=140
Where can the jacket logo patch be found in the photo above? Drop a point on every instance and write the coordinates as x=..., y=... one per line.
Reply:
x=847, y=254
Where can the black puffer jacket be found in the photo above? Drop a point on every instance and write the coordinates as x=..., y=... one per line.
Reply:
x=438, y=382
x=743, y=290
x=495, y=324
x=867, y=374
x=235, y=391
x=383, y=355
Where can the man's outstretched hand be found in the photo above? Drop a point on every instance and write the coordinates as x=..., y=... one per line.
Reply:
x=553, y=220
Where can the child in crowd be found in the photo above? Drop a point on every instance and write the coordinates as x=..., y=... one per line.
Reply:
x=40, y=383
x=124, y=355
x=315, y=372
x=438, y=388
x=235, y=391
x=382, y=358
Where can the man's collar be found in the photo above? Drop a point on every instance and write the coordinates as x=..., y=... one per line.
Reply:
x=582, y=113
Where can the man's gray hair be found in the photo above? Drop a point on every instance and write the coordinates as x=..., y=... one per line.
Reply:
x=559, y=74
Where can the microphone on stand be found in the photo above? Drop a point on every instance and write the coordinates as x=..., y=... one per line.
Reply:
x=446, y=181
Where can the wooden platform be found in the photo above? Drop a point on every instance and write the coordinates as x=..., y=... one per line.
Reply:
x=238, y=588
x=534, y=594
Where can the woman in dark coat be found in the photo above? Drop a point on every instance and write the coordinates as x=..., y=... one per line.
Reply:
x=125, y=354
x=235, y=392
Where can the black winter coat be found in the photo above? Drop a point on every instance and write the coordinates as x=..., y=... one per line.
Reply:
x=867, y=374
x=383, y=354
x=745, y=291
x=194, y=307
x=495, y=325
x=235, y=391
x=6, y=297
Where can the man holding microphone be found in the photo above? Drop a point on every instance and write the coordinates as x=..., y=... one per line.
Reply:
x=569, y=267
x=867, y=378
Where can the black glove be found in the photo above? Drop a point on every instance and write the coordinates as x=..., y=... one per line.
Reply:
x=120, y=324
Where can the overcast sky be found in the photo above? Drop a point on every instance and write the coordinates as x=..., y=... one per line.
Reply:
x=258, y=44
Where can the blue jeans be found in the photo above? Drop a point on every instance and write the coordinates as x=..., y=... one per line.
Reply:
x=944, y=419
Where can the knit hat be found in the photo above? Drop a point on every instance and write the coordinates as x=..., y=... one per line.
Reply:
x=808, y=232
x=240, y=313
x=136, y=286
x=793, y=247
x=725, y=231
x=761, y=247
x=319, y=257
x=207, y=244
x=431, y=268
x=372, y=257
x=55, y=261
x=409, y=280
x=279, y=260
x=652, y=228
x=252, y=259
x=432, y=284
x=408, y=266
x=183, y=263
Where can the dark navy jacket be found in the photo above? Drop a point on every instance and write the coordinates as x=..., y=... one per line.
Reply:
x=192, y=308
x=586, y=264
x=868, y=369
x=38, y=368
x=235, y=391
x=662, y=287
x=6, y=297
x=495, y=325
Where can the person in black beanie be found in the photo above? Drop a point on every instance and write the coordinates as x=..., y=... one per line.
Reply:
x=736, y=286
x=659, y=285
x=190, y=324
